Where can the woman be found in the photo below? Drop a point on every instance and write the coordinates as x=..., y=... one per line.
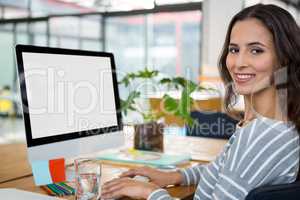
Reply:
x=261, y=61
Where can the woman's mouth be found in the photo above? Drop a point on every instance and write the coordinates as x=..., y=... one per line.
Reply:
x=243, y=78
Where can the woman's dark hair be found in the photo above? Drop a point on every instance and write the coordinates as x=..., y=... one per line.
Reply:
x=286, y=37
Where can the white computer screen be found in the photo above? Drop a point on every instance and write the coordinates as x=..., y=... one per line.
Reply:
x=66, y=93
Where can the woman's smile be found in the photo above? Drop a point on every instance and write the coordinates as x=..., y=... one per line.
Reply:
x=242, y=78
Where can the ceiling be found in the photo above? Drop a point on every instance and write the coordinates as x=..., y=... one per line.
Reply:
x=111, y=5
x=48, y=7
x=116, y=5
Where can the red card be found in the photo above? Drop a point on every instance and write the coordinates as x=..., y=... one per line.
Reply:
x=57, y=170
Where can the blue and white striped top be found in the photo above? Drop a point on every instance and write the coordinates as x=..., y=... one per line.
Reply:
x=264, y=152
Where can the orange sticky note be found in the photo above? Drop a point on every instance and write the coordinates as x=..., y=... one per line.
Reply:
x=57, y=170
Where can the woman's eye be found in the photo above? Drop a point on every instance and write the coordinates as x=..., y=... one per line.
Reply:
x=233, y=50
x=256, y=51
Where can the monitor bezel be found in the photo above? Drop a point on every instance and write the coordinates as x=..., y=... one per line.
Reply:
x=31, y=142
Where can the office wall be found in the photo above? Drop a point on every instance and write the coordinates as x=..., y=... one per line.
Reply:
x=216, y=17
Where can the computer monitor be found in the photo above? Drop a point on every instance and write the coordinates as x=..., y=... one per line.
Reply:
x=70, y=101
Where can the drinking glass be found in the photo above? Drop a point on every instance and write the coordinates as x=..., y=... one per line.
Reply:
x=87, y=179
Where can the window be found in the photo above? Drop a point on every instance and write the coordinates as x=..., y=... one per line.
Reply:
x=168, y=42
x=175, y=43
x=7, y=59
x=37, y=30
x=125, y=37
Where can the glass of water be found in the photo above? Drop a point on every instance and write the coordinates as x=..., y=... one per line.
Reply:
x=87, y=179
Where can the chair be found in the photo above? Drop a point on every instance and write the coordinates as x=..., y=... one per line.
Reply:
x=276, y=192
x=212, y=124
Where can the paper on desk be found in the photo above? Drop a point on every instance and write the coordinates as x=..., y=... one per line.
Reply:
x=41, y=172
x=15, y=194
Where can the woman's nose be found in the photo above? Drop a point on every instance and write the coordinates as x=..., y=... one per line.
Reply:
x=241, y=60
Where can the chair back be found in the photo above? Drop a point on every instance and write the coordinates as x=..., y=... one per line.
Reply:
x=212, y=124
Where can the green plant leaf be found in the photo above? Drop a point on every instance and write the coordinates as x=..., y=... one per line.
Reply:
x=123, y=104
x=180, y=108
x=147, y=74
x=165, y=81
x=185, y=103
x=200, y=88
x=126, y=79
x=170, y=104
x=179, y=81
x=128, y=104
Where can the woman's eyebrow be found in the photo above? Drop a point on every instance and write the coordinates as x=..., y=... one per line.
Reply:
x=256, y=43
x=248, y=44
x=232, y=44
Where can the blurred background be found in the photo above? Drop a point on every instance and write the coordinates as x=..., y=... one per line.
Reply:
x=175, y=37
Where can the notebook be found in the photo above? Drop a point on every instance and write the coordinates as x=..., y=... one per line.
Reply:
x=146, y=157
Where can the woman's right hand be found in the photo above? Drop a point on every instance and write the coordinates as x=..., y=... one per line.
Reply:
x=156, y=176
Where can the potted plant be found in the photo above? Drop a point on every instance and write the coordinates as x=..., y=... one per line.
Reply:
x=149, y=134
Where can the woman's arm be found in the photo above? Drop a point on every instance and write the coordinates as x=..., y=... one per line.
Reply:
x=192, y=175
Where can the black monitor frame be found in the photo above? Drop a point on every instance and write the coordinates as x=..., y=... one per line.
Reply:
x=67, y=136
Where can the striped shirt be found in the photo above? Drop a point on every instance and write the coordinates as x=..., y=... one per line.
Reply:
x=264, y=152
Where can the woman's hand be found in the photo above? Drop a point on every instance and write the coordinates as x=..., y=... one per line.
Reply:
x=158, y=177
x=120, y=187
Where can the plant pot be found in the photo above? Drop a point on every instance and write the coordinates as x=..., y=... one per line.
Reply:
x=149, y=137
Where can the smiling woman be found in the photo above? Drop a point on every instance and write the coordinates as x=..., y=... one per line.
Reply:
x=251, y=57
x=260, y=61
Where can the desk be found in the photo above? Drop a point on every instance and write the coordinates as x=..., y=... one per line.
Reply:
x=14, y=162
x=15, y=171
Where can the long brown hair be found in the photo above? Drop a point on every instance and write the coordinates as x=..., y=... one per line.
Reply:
x=286, y=37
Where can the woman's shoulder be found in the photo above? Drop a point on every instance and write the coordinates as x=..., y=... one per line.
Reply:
x=264, y=142
x=267, y=127
x=261, y=131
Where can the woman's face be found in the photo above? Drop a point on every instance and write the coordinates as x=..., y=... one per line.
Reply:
x=251, y=57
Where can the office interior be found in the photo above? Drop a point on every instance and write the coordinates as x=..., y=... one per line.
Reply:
x=175, y=37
